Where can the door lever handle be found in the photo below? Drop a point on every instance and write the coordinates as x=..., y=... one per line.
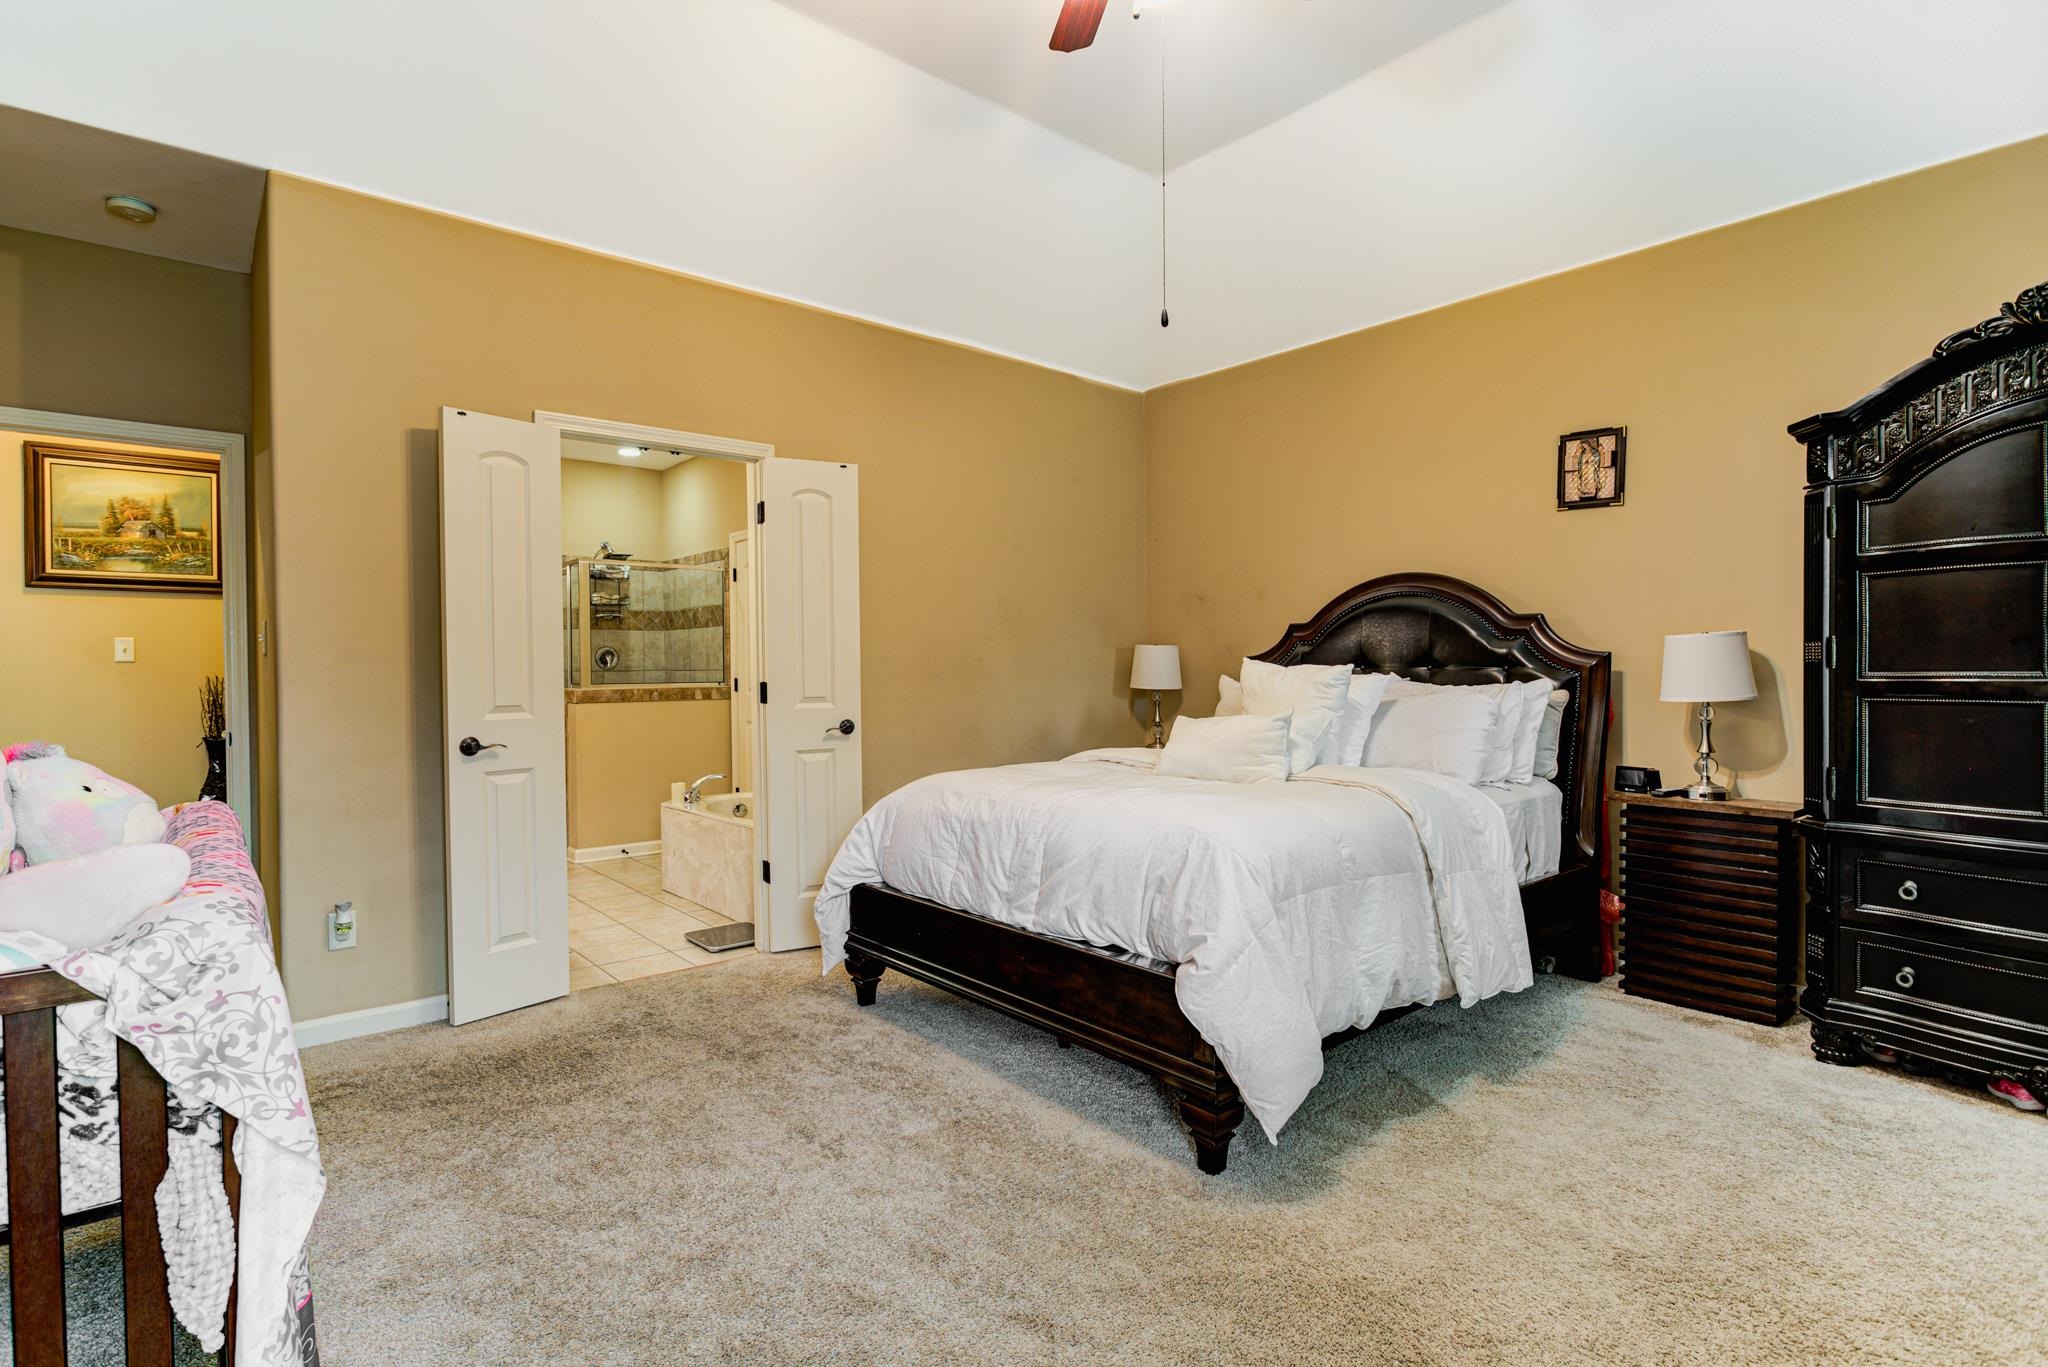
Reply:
x=472, y=747
x=842, y=728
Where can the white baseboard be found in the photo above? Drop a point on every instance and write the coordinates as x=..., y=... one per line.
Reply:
x=374, y=1020
x=596, y=853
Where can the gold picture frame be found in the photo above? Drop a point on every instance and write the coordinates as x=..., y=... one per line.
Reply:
x=123, y=521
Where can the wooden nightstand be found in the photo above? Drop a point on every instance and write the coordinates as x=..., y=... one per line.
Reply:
x=1710, y=894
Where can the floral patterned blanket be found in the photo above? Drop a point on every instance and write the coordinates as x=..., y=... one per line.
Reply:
x=194, y=986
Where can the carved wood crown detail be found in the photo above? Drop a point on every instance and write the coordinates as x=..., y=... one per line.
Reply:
x=2019, y=375
x=1998, y=380
x=2030, y=308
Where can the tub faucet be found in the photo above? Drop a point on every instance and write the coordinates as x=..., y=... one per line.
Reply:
x=694, y=793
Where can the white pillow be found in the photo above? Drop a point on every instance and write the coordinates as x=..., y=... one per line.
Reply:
x=1316, y=695
x=1229, y=697
x=1550, y=733
x=1448, y=731
x=1510, y=712
x=1529, y=698
x=1227, y=749
x=1362, y=701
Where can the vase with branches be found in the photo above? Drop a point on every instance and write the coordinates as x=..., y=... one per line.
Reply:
x=213, y=734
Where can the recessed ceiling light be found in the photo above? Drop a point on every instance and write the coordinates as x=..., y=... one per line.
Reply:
x=130, y=208
x=632, y=452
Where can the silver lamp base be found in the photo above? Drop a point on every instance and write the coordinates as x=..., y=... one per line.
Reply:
x=1706, y=790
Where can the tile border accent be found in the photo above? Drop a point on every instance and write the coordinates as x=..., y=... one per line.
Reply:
x=577, y=697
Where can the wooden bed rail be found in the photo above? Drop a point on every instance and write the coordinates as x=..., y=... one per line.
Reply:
x=35, y=1215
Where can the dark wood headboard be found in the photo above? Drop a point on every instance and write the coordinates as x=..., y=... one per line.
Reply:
x=1445, y=631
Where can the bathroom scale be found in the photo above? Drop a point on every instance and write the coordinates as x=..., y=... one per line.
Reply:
x=718, y=939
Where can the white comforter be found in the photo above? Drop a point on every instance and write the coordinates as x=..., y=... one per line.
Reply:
x=1294, y=909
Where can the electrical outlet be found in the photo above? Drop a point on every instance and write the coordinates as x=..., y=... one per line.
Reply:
x=341, y=926
x=124, y=650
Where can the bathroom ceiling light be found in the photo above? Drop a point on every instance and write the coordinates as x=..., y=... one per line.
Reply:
x=632, y=452
x=130, y=208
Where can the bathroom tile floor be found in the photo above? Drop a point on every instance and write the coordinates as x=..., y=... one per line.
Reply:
x=622, y=926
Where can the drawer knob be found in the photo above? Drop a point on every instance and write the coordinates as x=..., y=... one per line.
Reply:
x=1909, y=891
x=1904, y=977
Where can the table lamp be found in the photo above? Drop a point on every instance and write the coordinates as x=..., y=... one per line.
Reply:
x=1707, y=667
x=1156, y=668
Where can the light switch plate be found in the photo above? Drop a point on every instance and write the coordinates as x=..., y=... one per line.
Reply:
x=124, y=650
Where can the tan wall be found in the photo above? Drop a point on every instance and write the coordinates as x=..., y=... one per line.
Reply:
x=624, y=756
x=112, y=334
x=611, y=503
x=704, y=503
x=1001, y=578
x=103, y=333
x=138, y=721
x=1428, y=443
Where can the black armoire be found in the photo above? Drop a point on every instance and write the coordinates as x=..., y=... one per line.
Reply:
x=1926, y=669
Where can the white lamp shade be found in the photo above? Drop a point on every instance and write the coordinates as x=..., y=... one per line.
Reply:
x=1707, y=666
x=1155, y=667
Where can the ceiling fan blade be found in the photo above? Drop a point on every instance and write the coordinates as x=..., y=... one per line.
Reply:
x=1077, y=24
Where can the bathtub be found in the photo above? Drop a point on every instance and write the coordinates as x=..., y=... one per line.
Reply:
x=707, y=852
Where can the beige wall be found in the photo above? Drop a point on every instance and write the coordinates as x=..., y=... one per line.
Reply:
x=623, y=757
x=138, y=721
x=614, y=503
x=1428, y=443
x=1001, y=578
x=704, y=502
x=112, y=334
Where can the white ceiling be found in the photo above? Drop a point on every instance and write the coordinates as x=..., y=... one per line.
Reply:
x=1371, y=158
x=607, y=453
x=1233, y=66
x=54, y=177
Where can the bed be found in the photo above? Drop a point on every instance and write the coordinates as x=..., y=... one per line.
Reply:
x=144, y=1081
x=1124, y=1005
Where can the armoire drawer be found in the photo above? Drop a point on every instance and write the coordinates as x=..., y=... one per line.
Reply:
x=1926, y=977
x=1903, y=888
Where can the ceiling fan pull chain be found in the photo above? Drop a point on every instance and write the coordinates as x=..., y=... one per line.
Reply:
x=1162, y=171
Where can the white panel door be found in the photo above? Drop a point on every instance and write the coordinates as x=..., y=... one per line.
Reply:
x=740, y=616
x=501, y=641
x=807, y=554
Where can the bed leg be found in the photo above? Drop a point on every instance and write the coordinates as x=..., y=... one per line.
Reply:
x=865, y=972
x=1211, y=1118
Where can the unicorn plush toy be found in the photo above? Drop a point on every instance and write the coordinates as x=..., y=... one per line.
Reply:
x=80, y=851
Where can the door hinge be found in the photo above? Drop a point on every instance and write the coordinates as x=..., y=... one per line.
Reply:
x=1831, y=650
x=735, y=685
x=764, y=692
x=1830, y=532
x=764, y=872
x=735, y=576
x=760, y=512
x=1831, y=783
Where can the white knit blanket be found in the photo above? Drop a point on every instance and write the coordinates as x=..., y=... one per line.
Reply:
x=193, y=1219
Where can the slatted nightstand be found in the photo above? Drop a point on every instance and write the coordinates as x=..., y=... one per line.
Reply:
x=1711, y=904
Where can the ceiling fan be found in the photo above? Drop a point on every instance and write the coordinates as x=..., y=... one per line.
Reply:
x=1077, y=24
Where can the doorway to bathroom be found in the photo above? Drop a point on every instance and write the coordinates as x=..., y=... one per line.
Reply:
x=696, y=602
x=661, y=834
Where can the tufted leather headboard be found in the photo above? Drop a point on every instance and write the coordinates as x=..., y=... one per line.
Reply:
x=1445, y=631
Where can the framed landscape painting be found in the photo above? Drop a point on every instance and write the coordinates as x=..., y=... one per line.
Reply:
x=121, y=520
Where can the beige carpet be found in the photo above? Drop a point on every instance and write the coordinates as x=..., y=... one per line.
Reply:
x=741, y=1167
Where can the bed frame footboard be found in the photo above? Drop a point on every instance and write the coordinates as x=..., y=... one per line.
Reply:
x=1119, y=1005
x=35, y=1215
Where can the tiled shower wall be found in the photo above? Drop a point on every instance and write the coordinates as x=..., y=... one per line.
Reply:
x=673, y=630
